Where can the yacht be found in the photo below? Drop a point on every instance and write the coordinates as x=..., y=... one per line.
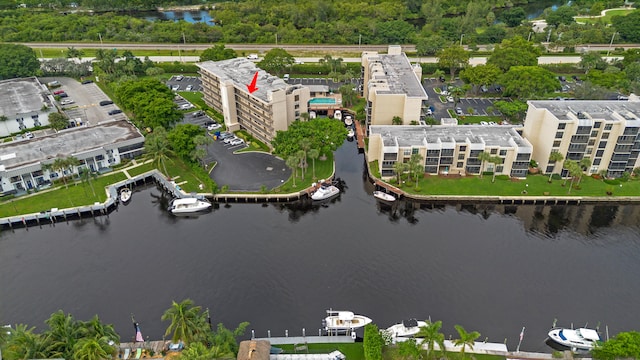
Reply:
x=325, y=191
x=406, y=328
x=343, y=321
x=574, y=339
x=188, y=205
x=380, y=195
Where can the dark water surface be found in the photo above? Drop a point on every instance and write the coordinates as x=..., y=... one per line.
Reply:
x=492, y=269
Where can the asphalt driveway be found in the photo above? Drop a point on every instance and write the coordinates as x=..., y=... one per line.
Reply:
x=247, y=171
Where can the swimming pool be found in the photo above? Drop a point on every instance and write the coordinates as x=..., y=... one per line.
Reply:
x=322, y=101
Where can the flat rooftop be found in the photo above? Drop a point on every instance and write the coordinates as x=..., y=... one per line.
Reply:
x=597, y=109
x=65, y=143
x=399, y=75
x=421, y=135
x=21, y=96
x=241, y=72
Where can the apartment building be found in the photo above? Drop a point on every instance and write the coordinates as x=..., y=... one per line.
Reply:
x=450, y=149
x=605, y=131
x=393, y=88
x=97, y=148
x=272, y=107
x=25, y=103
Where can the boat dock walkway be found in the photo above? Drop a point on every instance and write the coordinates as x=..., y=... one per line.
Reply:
x=301, y=340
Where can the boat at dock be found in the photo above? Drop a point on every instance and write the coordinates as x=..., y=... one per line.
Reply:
x=325, y=191
x=581, y=339
x=406, y=328
x=125, y=195
x=188, y=205
x=348, y=120
x=380, y=195
x=337, y=115
x=351, y=133
x=343, y=321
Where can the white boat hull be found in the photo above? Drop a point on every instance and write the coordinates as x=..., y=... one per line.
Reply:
x=344, y=321
x=406, y=330
x=125, y=195
x=575, y=339
x=188, y=205
x=325, y=192
x=384, y=196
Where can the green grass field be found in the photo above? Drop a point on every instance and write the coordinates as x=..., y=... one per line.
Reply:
x=604, y=19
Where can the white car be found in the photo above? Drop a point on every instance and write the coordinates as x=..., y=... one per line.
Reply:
x=230, y=139
x=175, y=87
x=186, y=106
x=189, y=88
x=236, y=141
x=214, y=127
x=484, y=123
x=66, y=102
x=450, y=98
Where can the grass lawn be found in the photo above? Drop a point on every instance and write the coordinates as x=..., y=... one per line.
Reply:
x=183, y=175
x=606, y=18
x=475, y=120
x=535, y=185
x=141, y=169
x=324, y=169
x=90, y=53
x=77, y=194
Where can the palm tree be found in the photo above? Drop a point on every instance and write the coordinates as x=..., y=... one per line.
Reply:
x=59, y=165
x=313, y=154
x=495, y=160
x=86, y=176
x=23, y=343
x=432, y=335
x=186, y=321
x=397, y=120
x=156, y=146
x=466, y=338
x=585, y=164
x=483, y=156
x=198, y=351
x=93, y=349
x=96, y=329
x=399, y=167
x=71, y=163
x=301, y=155
x=409, y=350
x=292, y=163
x=574, y=170
x=416, y=166
x=63, y=333
x=555, y=156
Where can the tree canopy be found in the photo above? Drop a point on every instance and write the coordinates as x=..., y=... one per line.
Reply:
x=276, y=61
x=17, y=61
x=453, y=58
x=514, y=52
x=218, y=52
x=625, y=345
x=150, y=101
x=528, y=82
x=324, y=134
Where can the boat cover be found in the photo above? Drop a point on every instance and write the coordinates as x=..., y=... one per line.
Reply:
x=589, y=334
x=410, y=323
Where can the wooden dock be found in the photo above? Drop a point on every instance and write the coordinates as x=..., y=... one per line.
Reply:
x=361, y=133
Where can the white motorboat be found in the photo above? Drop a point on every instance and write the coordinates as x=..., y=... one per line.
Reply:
x=342, y=321
x=337, y=115
x=380, y=195
x=348, y=120
x=406, y=328
x=125, y=195
x=351, y=133
x=188, y=205
x=574, y=339
x=325, y=192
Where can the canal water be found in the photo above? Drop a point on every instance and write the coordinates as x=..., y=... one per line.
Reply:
x=492, y=269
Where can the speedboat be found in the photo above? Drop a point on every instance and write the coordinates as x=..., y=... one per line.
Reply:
x=406, y=328
x=344, y=321
x=348, y=120
x=325, y=192
x=337, y=115
x=574, y=340
x=188, y=205
x=380, y=195
x=351, y=133
x=125, y=195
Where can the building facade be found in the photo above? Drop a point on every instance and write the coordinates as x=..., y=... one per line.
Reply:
x=23, y=163
x=606, y=132
x=272, y=107
x=392, y=88
x=26, y=103
x=450, y=149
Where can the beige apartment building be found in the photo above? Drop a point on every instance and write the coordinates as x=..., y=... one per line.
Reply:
x=392, y=87
x=606, y=132
x=450, y=149
x=272, y=107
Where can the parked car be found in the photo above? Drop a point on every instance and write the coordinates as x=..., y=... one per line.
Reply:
x=179, y=78
x=63, y=95
x=450, y=98
x=28, y=135
x=114, y=112
x=236, y=142
x=189, y=87
x=459, y=111
x=214, y=127
x=58, y=92
x=106, y=102
x=85, y=82
x=175, y=87
x=66, y=102
x=186, y=106
x=225, y=135
x=229, y=139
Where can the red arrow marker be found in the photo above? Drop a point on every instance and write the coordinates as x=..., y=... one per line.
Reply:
x=252, y=87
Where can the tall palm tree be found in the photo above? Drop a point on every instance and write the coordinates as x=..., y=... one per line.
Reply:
x=399, y=168
x=555, y=156
x=313, y=154
x=292, y=163
x=89, y=348
x=483, y=157
x=156, y=147
x=59, y=166
x=86, y=176
x=186, y=321
x=301, y=155
x=71, y=163
x=466, y=338
x=23, y=343
x=96, y=329
x=585, y=164
x=432, y=335
x=495, y=160
x=416, y=166
x=64, y=331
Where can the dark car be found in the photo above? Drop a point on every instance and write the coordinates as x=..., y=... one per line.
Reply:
x=85, y=82
x=63, y=95
x=114, y=111
x=106, y=102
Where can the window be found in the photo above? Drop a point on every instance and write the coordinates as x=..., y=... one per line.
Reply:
x=503, y=152
x=550, y=168
x=459, y=164
x=597, y=125
x=407, y=152
x=460, y=156
x=494, y=151
x=594, y=133
x=596, y=161
x=463, y=148
x=608, y=126
x=556, y=143
x=602, y=145
x=562, y=126
x=296, y=98
x=592, y=142
x=414, y=151
x=559, y=135
x=605, y=136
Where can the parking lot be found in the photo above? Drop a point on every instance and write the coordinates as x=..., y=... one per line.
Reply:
x=469, y=106
x=184, y=83
x=333, y=85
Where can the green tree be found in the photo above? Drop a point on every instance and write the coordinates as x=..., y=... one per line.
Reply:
x=466, y=339
x=72, y=52
x=313, y=154
x=562, y=15
x=292, y=163
x=574, y=171
x=217, y=52
x=409, y=350
x=325, y=135
x=198, y=351
x=276, y=61
x=495, y=160
x=182, y=139
x=63, y=333
x=514, y=110
x=416, y=166
x=628, y=26
x=513, y=17
x=399, y=168
x=625, y=345
x=23, y=343
x=224, y=340
x=585, y=165
x=186, y=321
x=86, y=176
x=480, y=75
x=349, y=95
x=431, y=336
x=514, y=52
x=592, y=60
x=200, y=152
x=58, y=121
x=453, y=58
x=554, y=157
x=17, y=61
x=430, y=45
x=483, y=157
x=372, y=343
x=157, y=148
x=528, y=82
x=93, y=349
